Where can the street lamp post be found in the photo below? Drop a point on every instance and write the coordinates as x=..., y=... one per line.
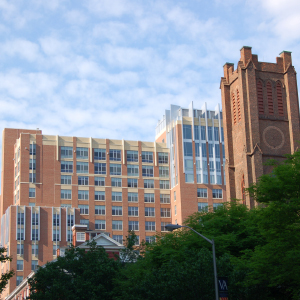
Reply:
x=171, y=227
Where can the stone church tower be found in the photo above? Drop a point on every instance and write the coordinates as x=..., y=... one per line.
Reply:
x=261, y=118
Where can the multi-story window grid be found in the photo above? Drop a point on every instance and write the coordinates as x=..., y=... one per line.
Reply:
x=164, y=198
x=217, y=194
x=133, y=197
x=163, y=158
x=82, y=153
x=115, y=155
x=117, y=225
x=20, y=218
x=149, y=212
x=133, y=225
x=116, y=182
x=164, y=184
x=66, y=194
x=70, y=220
x=99, y=181
x=99, y=154
x=34, y=234
x=35, y=249
x=118, y=238
x=149, y=183
x=32, y=149
x=117, y=210
x=100, y=168
x=56, y=218
x=202, y=193
x=165, y=212
x=100, y=210
x=132, y=156
x=132, y=170
x=31, y=192
x=100, y=224
x=66, y=167
x=147, y=157
x=147, y=171
x=82, y=167
x=32, y=177
x=115, y=169
x=163, y=226
x=100, y=195
x=149, y=197
x=202, y=206
x=149, y=226
x=66, y=152
x=133, y=211
x=65, y=179
x=34, y=264
x=20, y=234
x=20, y=265
x=83, y=180
x=132, y=182
x=32, y=164
x=55, y=235
x=83, y=195
x=84, y=209
x=116, y=196
x=20, y=249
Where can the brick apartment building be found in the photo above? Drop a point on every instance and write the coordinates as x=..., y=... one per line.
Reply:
x=50, y=183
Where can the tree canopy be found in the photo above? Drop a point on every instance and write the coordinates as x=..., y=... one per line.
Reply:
x=7, y=275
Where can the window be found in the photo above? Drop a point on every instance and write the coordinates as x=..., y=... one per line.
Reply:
x=223, y=151
x=31, y=192
x=66, y=205
x=32, y=164
x=35, y=249
x=189, y=178
x=150, y=239
x=216, y=205
x=203, y=148
x=203, y=133
x=197, y=149
x=166, y=212
x=82, y=167
x=218, y=166
x=163, y=158
x=133, y=225
x=217, y=194
x=163, y=171
x=85, y=222
x=100, y=224
x=55, y=235
x=211, y=166
x=70, y=220
x=149, y=197
x=99, y=195
x=202, y=193
x=20, y=234
x=149, y=212
x=100, y=168
x=188, y=149
x=202, y=206
x=115, y=155
x=20, y=249
x=66, y=179
x=216, y=134
x=219, y=179
x=147, y=157
x=149, y=226
x=116, y=196
x=133, y=211
x=32, y=177
x=198, y=166
x=118, y=238
x=66, y=167
x=147, y=171
x=164, y=198
x=84, y=209
x=132, y=183
x=205, y=178
x=196, y=132
x=222, y=134
x=212, y=179
x=19, y=280
x=99, y=181
x=189, y=166
x=133, y=197
x=175, y=210
x=80, y=236
x=211, y=150
x=162, y=226
x=115, y=169
x=217, y=150
x=34, y=264
x=164, y=184
x=175, y=196
x=66, y=194
x=99, y=154
x=209, y=132
x=116, y=182
x=132, y=156
x=187, y=131
x=117, y=211
x=83, y=195
x=148, y=183
x=32, y=149
x=55, y=218
x=132, y=170
x=83, y=180
x=66, y=152
x=117, y=225
x=82, y=153
x=20, y=218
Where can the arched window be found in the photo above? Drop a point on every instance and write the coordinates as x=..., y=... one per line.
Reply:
x=238, y=104
x=270, y=98
x=260, y=98
x=234, y=108
x=279, y=99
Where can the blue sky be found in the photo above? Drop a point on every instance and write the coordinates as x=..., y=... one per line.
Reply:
x=109, y=69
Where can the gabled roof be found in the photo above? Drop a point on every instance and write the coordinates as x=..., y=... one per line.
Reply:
x=105, y=241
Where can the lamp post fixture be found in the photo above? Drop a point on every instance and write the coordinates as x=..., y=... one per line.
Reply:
x=171, y=227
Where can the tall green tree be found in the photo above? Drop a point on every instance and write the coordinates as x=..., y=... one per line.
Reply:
x=7, y=275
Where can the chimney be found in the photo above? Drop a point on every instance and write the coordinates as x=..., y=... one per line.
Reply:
x=228, y=69
x=246, y=54
x=287, y=58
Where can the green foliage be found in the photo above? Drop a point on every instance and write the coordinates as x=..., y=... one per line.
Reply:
x=7, y=275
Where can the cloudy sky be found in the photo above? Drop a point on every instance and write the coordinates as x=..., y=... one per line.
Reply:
x=109, y=68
